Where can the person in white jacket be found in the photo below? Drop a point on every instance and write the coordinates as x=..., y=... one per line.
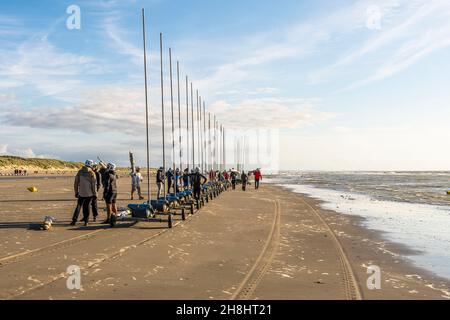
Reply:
x=136, y=179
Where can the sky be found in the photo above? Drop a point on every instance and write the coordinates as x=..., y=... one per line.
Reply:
x=341, y=85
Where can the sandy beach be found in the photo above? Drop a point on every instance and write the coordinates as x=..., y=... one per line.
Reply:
x=266, y=244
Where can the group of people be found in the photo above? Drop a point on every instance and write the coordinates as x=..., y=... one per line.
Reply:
x=20, y=172
x=177, y=180
x=88, y=181
x=245, y=178
x=94, y=176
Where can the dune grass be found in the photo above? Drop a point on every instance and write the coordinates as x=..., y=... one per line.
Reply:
x=12, y=161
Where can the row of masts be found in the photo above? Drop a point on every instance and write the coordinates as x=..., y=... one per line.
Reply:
x=205, y=138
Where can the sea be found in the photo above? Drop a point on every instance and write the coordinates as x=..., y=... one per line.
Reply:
x=409, y=208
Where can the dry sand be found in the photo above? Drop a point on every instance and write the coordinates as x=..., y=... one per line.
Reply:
x=266, y=244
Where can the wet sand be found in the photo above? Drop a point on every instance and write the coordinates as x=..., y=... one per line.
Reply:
x=266, y=244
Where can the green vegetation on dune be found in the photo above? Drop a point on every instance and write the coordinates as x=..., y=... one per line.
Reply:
x=12, y=161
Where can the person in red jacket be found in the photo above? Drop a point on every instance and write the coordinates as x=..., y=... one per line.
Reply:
x=258, y=177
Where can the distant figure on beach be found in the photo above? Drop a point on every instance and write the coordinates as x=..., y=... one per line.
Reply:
x=212, y=175
x=98, y=183
x=160, y=180
x=186, y=179
x=226, y=176
x=170, y=178
x=258, y=178
x=103, y=174
x=85, y=187
x=244, y=179
x=136, y=179
x=110, y=192
x=197, y=181
x=233, y=176
x=220, y=176
x=177, y=180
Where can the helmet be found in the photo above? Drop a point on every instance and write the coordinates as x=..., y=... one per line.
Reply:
x=111, y=166
x=89, y=163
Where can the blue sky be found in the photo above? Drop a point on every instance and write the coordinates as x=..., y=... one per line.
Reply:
x=349, y=85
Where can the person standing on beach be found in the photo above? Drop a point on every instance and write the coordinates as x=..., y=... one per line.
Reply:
x=233, y=175
x=186, y=179
x=136, y=179
x=85, y=187
x=103, y=175
x=177, y=180
x=98, y=183
x=110, y=193
x=226, y=176
x=258, y=177
x=160, y=180
x=244, y=179
x=197, y=183
x=169, y=179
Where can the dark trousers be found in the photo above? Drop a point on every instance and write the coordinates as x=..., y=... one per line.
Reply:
x=233, y=184
x=83, y=202
x=244, y=185
x=257, y=184
x=94, y=207
x=197, y=193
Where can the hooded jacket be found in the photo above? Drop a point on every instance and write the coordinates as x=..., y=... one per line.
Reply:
x=85, y=184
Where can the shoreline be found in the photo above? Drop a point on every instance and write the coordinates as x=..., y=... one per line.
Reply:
x=376, y=241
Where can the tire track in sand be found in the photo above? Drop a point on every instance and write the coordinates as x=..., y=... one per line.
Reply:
x=352, y=290
x=95, y=263
x=263, y=262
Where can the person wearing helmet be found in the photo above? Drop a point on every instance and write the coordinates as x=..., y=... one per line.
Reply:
x=197, y=183
x=110, y=192
x=85, y=187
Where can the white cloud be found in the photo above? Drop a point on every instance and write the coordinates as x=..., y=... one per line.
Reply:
x=103, y=109
x=19, y=152
x=119, y=43
x=269, y=113
x=412, y=30
x=408, y=147
x=10, y=26
x=41, y=66
x=7, y=97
